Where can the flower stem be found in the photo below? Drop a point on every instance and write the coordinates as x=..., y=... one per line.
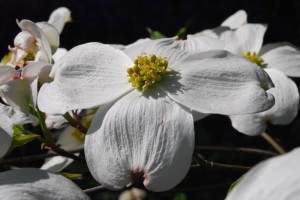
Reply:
x=236, y=149
x=274, y=144
x=49, y=140
x=206, y=163
x=99, y=188
x=34, y=157
x=46, y=132
x=75, y=123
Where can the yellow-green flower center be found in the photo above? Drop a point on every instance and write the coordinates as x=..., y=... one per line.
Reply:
x=146, y=71
x=253, y=57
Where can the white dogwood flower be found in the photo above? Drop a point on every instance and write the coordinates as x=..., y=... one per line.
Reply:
x=278, y=60
x=19, y=87
x=283, y=112
x=31, y=183
x=143, y=131
x=39, y=41
x=276, y=178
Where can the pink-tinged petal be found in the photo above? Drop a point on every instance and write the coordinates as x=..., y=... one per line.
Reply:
x=282, y=56
x=247, y=38
x=143, y=137
x=25, y=41
x=39, y=36
x=276, y=178
x=219, y=82
x=32, y=183
x=37, y=69
x=236, y=20
x=51, y=34
x=87, y=76
x=59, y=17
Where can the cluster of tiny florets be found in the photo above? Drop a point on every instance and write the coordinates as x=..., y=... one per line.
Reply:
x=146, y=71
x=253, y=57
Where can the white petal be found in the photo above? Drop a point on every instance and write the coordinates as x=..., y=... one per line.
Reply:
x=8, y=118
x=59, y=17
x=236, y=20
x=247, y=38
x=276, y=178
x=139, y=41
x=249, y=124
x=201, y=44
x=17, y=94
x=68, y=140
x=6, y=73
x=87, y=76
x=198, y=116
x=37, y=69
x=118, y=46
x=286, y=96
x=6, y=132
x=39, y=36
x=60, y=52
x=144, y=132
x=284, y=57
x=26, y=42
x=219, y=82
x=55, y=121
x=56, y=163
x=171, y=48
x=283, y=112
x=31, y=183
x=51, y=34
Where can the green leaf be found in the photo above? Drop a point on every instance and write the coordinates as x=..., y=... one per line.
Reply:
x=71, y=176
x=155, y=34
x=182, y=33
x=234, y=184
x=20, y=140
x=18, y=129
x=180, y=196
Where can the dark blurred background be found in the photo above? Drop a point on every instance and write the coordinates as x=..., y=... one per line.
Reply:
x=123, y=22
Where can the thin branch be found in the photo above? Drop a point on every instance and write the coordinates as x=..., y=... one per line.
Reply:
x=274, y=144
x=99, y=188
x=75, y=122
x=205, y=163
x=236, y=149
x=207, y=187
x=34, y=157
